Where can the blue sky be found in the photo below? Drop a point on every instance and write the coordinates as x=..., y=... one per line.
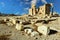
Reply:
x=22, y=6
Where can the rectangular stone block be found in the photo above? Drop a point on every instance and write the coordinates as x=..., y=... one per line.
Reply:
x=43, y=29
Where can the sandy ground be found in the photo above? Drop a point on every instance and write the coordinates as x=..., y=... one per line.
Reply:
x=10, y=33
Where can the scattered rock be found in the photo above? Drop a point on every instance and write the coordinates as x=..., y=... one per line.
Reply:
x=43, y=29
x=34, y=33
x=13, y=20
x=28, y=31
x=9, y=24
x=19, y=26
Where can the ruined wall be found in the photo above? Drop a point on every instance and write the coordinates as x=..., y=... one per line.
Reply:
x=43, y=11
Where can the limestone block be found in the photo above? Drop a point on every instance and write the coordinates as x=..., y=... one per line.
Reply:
x=28, y=31
x=19, y=26
x=34, y=33
x=13, y=21
x=34, y=27
x=32, y=22
x=7, y=20
x=43, y=29
x=4, y=20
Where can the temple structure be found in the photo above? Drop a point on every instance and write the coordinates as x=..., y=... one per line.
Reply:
x=42, y=11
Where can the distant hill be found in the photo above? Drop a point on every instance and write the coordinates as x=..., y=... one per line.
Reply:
x=3, y=14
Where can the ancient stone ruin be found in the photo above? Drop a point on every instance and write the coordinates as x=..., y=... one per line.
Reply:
x=36, y=22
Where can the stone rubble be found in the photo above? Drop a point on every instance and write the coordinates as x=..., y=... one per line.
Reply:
x=35, y=29
x=28, y=31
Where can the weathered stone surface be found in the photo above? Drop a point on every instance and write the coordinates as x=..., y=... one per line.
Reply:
x=28, y=31
x=6, y=20
x=13, y=21
x=43, y=29
x=34, y=27
x=19, y=26
x=34, y=33
x=32, y=22
x=9, y=24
